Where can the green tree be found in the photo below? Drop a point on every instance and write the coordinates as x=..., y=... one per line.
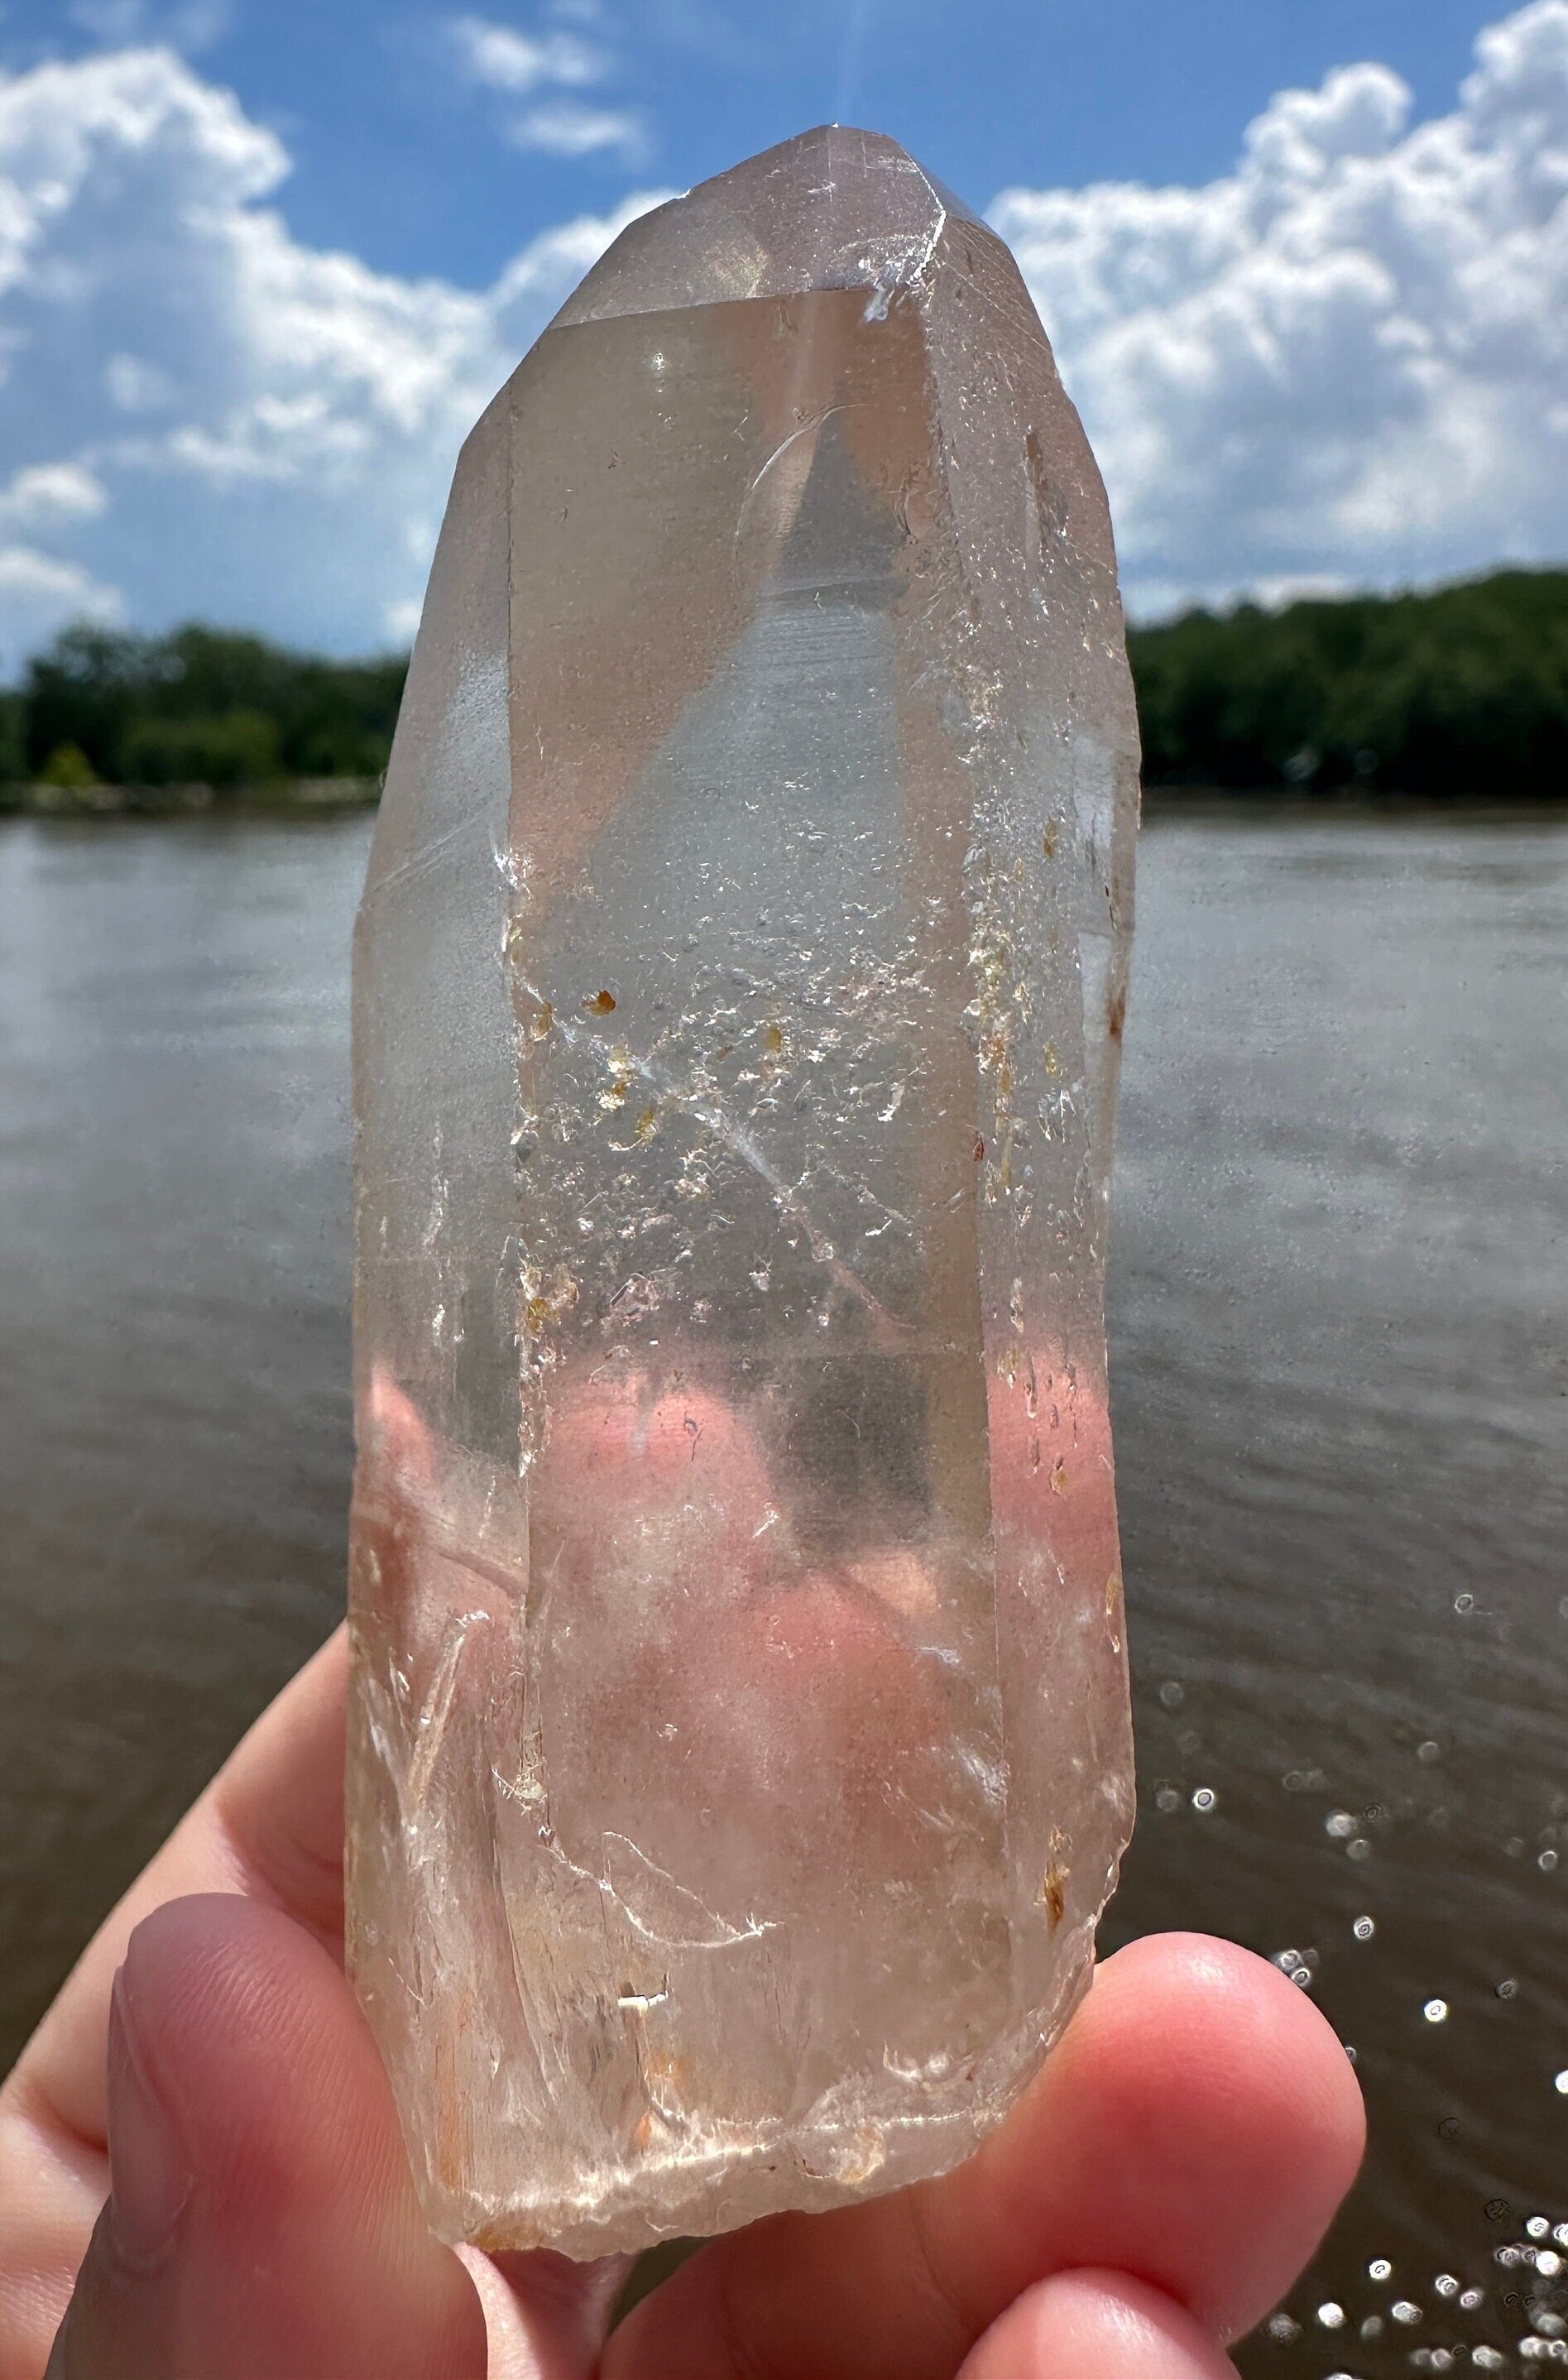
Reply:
x=143, y=709
x=84, y=691
x=223, y=750
x=69, y=769
x=13, y=743
x=1463, y=691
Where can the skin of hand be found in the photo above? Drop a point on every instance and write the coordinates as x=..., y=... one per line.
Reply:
x=200, y=2172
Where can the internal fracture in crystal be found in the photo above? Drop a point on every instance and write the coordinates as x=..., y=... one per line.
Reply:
x=740, y=1753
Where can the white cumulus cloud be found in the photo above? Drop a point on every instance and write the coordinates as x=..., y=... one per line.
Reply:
x=1345, y=361
x=49, y=492
x=565, y=130
x=1342, y=361
x=503, y=58
x=40, y=593
x=547, y=67
x=186, y=24
x=201, y=414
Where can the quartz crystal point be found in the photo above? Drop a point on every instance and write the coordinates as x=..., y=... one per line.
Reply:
x=740, y=1754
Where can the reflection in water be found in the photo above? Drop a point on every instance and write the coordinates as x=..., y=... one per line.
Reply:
x=1338, y=1345
x=1338, y=1337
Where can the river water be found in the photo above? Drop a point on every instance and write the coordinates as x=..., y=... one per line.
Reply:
x=1339, y=1366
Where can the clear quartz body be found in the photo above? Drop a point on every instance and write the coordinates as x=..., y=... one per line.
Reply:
x=739, y=1755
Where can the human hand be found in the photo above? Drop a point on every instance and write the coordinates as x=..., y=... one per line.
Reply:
x=206, y=2071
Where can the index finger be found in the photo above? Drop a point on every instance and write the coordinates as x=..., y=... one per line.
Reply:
x=1195, y=2129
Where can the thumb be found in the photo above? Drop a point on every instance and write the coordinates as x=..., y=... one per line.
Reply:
x=260, y=2218
x=1096, y=2326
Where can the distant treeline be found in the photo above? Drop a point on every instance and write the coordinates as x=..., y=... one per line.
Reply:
x=1459, y=693
x=200, y=707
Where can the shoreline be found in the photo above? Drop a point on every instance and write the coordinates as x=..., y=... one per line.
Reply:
x=275, y=797
x=314, y=797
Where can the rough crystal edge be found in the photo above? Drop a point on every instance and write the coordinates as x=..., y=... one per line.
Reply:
x=626, y=2225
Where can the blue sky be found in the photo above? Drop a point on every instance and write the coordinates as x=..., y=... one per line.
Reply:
x=398, y=157
x=1304, y=262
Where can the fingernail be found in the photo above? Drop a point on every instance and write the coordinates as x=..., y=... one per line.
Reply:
x=150, y=2177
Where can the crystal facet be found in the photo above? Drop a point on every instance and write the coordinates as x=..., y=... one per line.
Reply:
x=740, y=1756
